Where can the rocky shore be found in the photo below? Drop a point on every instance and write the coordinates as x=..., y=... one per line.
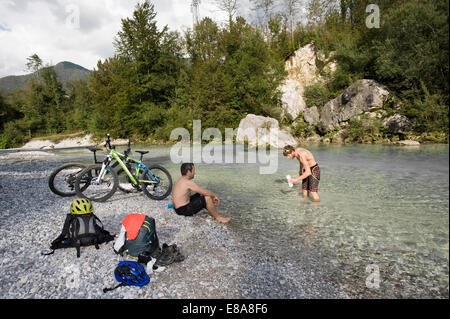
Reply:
x=246, y=133
x=86, y=140
x=220, y=263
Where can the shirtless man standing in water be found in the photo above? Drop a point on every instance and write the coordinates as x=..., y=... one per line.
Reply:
x=188, y=205
x=309, y=172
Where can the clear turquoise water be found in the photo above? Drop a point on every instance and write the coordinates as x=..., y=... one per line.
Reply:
x=380, y=205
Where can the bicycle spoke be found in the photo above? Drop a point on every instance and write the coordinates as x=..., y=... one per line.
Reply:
x=62, y=180
x=96, y=190
x=156, y=182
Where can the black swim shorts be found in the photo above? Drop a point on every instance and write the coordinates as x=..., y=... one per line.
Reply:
x=197, y=203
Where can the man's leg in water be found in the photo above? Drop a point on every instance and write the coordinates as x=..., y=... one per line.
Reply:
x=305, y=194
x=305, y=186
x=211, y=208
x=315, y=196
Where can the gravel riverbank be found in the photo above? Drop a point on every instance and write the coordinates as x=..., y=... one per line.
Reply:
x=220, y=263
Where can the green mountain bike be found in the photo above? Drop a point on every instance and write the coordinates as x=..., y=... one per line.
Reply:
x=99, y=182
x=62, y=179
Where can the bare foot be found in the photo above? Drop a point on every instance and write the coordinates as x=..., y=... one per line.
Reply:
x=223, y=219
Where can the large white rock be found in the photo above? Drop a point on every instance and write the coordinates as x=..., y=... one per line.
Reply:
x=301, y=68
x=261, y=131
x=301, y=65
x=408, y=143
x=302, y=71
x=292, y=97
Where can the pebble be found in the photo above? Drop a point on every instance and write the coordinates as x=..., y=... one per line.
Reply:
x=211, y=248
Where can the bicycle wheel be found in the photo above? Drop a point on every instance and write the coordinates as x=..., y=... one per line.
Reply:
x=125, y=184
x=62, y=179
x=96, y=191
x=156, y=182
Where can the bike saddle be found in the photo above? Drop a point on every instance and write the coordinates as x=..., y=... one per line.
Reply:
x=93, y=148
x=142, y=152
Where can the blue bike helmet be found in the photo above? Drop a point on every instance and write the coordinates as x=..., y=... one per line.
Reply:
x=130, y=273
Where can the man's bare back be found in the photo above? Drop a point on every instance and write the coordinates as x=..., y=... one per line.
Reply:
x=305, y=156
x=181, y=192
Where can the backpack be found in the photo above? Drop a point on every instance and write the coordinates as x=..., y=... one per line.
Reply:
x=81, y=230
x=140, y=236
x=139, y=239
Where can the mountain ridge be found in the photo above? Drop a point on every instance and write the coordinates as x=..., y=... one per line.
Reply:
x=65, y=71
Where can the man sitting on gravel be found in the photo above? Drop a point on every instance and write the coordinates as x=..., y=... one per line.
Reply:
x=188, y=205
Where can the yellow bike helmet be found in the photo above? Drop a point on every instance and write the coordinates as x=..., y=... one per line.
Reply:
x=81, y=206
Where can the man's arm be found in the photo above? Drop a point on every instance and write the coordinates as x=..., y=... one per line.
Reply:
x=194, y=187
x=306, y=173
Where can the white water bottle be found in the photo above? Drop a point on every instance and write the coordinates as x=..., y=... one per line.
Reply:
x=288, y=177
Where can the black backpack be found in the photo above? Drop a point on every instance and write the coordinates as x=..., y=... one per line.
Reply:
x=81, y=230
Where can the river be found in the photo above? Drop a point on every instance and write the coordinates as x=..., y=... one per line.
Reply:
x=381, y=229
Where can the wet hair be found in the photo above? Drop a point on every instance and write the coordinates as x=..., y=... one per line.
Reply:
x=186, y=167
x=288, y=149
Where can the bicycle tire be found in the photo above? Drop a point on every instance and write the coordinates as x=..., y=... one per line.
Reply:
x=150, y=189
x=90, y=173
x=65, y=188
x=125, y=184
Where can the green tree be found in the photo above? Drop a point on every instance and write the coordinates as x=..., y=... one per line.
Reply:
x=414, y=47
x=79, y=117
x=131, y=91
x=205, y=84
x=231, y=72
x=7, y=112
x=281, y=45
x=43, y=104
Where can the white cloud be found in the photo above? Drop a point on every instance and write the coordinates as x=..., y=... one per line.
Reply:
x=80, y=31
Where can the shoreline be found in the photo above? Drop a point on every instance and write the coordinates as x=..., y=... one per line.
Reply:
x=220, y=262
x=249, y=269
x=45, y=144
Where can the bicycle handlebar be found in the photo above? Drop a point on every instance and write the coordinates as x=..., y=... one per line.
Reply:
x=108, y=142
x=108, y=145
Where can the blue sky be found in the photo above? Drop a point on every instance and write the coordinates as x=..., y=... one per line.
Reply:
x=80, y=31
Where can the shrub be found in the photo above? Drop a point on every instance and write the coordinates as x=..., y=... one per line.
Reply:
x=364, y=130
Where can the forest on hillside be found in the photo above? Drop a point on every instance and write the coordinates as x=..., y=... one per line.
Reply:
x=159, y=79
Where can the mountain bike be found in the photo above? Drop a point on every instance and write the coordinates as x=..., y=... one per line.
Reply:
x=62, y=179
x=99, y=182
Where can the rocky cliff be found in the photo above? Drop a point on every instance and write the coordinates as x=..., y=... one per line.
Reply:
x=302, y=71
x=363, y=99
